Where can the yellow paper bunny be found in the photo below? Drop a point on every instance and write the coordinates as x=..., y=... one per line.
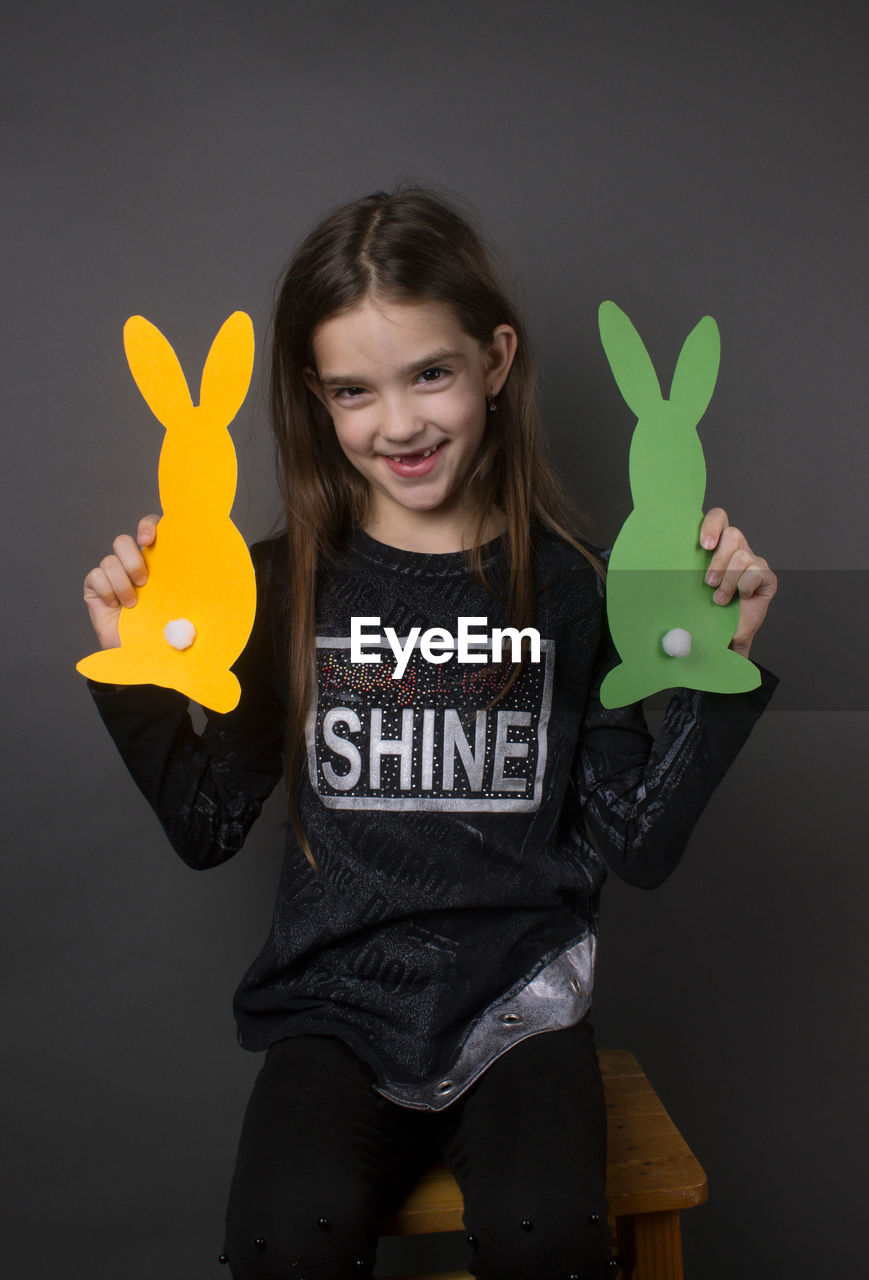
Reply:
x=195, y=612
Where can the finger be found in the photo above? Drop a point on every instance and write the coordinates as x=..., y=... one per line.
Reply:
x=119, y=580
x=97, y=587
x=758, y=581
x=731, y=540
x=147, y=530
x=714, y=524
x=750, y=580
x=133, y=562
x=742, y=562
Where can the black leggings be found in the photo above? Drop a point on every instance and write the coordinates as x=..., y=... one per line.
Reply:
x=322, y=1156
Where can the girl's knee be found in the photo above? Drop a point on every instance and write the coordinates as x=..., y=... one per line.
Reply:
x=545, y=1245
x=301, y=1241
x=288, y=1256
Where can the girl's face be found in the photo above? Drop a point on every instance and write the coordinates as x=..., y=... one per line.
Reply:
x=406, y=389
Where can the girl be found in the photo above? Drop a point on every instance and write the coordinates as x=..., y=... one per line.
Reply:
x=425, y=986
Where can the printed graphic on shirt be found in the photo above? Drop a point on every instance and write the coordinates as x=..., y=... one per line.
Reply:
x=427, y=741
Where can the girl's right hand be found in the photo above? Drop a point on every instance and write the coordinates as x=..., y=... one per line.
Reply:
x=112, y=586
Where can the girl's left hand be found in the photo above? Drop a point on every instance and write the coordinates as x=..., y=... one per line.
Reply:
x=735, y=567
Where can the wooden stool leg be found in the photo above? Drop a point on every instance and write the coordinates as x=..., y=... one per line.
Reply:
x=651, y=1245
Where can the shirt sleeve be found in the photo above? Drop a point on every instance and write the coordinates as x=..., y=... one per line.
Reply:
x=207, y=789
x=640, y=797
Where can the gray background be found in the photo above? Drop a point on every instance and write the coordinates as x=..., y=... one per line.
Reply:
x=163, y=158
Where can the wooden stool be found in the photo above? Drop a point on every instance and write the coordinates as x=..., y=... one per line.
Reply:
x=651, y=1177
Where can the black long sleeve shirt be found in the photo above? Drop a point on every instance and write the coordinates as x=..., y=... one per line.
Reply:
x=461, y=847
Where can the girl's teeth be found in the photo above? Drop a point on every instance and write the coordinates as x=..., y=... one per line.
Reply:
x=401, y=457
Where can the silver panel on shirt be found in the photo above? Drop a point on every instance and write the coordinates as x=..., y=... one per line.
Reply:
x=559, y=996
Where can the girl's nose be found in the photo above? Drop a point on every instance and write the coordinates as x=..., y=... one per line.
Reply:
x=399, y=424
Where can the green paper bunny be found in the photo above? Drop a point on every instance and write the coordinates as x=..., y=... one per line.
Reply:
x=665, y=625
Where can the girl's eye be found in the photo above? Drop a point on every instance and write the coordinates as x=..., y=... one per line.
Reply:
x=428, y=377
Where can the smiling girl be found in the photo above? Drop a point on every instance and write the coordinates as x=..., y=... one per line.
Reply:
x=426, y=983
x=413, y=421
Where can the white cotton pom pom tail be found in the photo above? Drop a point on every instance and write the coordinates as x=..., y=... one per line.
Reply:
x=677, y=643
x=180, y=633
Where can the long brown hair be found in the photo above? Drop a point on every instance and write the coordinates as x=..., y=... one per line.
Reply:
x=411, y=245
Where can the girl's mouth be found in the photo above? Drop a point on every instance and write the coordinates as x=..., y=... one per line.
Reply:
x=414, y=464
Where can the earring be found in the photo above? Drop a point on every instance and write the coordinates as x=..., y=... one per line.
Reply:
x=492, y=404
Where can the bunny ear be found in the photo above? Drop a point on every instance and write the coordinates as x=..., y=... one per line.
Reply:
x=155, y=367
x=697, y=368
x=629, y=360
x=226, y=376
